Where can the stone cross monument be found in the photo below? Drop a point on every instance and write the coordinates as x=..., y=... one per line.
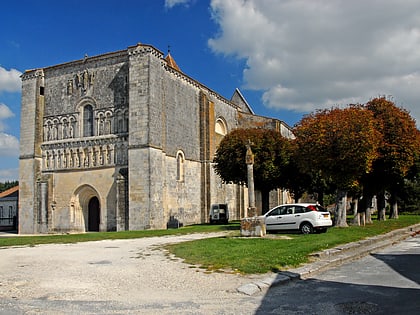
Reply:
x=249, y=159
x=251, y=225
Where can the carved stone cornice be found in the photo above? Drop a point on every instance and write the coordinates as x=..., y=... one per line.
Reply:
x=32, y=74
x=84, y=142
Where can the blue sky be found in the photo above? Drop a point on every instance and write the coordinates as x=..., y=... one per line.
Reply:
x=287, y=57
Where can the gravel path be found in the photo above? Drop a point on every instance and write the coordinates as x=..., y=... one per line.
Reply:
x=116, y=277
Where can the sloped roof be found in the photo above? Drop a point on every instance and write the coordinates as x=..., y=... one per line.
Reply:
x=9, y=191
x=240, y=100
x=171, y=62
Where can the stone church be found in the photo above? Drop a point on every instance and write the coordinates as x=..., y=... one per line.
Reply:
x=124, y=141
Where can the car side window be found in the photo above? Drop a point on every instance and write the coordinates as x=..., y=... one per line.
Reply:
x=275, y=212
x=299, y=209
x=286, y=210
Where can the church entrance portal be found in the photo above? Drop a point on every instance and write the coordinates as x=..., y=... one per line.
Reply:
x=93, y=214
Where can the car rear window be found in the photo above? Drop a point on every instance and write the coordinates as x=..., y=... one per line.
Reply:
x=315, y=208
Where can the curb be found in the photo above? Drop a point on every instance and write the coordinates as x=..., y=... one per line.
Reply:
x=331, y=257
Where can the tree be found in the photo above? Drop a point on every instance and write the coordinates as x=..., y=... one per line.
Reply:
x=8, y=184
x=398, y=151
x=271, y=156
x=409, y=193
x=340, y=144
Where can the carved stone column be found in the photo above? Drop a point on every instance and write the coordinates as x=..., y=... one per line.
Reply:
x=249, y=158
x=122, y=204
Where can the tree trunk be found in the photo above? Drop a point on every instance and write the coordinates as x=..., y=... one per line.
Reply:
x=394, y=207
x=265, y=201
x=368, y=215
x=355, y=206
x=369, y=207
x=321, y=198
x=341, y=214
x=381, y=206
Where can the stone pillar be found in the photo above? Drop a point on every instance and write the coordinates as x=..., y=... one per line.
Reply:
x=122, y=215
x=251, y=225
x=43, y=205
x=30, y=158
x=249, y=159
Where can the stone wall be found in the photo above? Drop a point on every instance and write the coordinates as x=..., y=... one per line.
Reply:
x=127, y=110
x=70, y=196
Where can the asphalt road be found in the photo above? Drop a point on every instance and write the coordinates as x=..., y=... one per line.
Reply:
x=386, y=282
x=137, y=277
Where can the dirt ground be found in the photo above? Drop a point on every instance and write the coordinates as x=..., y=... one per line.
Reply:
x=116, y=277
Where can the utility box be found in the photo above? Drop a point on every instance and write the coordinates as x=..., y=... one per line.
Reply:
x=219, y=213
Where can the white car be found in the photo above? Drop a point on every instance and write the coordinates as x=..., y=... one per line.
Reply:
x=306, y=217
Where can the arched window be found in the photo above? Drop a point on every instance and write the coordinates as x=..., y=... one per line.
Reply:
x=220, y=127
x=88, y=121
x=180, y=159
x=220, y=130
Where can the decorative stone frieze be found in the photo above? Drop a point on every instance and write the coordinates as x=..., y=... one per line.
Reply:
x=105, y=151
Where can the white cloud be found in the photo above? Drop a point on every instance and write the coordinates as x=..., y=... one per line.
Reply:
x=9, y=145
x=306, y=54
x=10, y=80
x=5, y=113
x=169, y=4
x=10, y=174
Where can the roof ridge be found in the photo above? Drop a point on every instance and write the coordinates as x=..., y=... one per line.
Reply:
x=171, y=62
x=9, y=191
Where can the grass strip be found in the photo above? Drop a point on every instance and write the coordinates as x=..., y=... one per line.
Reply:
x=33, y=240
x=277, y=252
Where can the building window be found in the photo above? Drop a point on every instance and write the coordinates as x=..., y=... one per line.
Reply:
x=220, y=127
x=220, y=130
x=88, y=121
x=180, y=160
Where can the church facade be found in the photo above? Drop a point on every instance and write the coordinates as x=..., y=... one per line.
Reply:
x=124, y=141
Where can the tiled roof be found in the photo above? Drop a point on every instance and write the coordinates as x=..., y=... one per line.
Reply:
x=171, y=62
x=9, y=191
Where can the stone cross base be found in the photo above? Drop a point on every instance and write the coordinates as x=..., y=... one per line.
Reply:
x=253, y=226
x=251, y=211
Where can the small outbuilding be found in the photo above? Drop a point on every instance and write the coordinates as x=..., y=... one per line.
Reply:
x=9, y=209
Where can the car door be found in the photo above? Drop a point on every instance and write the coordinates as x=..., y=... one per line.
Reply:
x=288, y=219
x=279, y=218
x=298, y=217
x=272, y=219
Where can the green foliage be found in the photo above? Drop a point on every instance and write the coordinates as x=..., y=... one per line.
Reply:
x=271, y=156
x=8, y=184
x=409, y=194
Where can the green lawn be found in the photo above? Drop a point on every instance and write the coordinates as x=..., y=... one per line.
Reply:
x=97, y=236
x=234, y=253
x=276, y=252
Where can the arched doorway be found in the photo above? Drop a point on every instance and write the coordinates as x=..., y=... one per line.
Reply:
x=94, y=211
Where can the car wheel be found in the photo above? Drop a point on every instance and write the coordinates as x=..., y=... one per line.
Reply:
x=306, y=228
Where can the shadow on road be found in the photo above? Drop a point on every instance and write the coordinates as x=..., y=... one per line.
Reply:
x=315, y=296
x=403, y=264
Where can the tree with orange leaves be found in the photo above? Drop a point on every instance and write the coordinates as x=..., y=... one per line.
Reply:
x=400, y=146
x=342, y=145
